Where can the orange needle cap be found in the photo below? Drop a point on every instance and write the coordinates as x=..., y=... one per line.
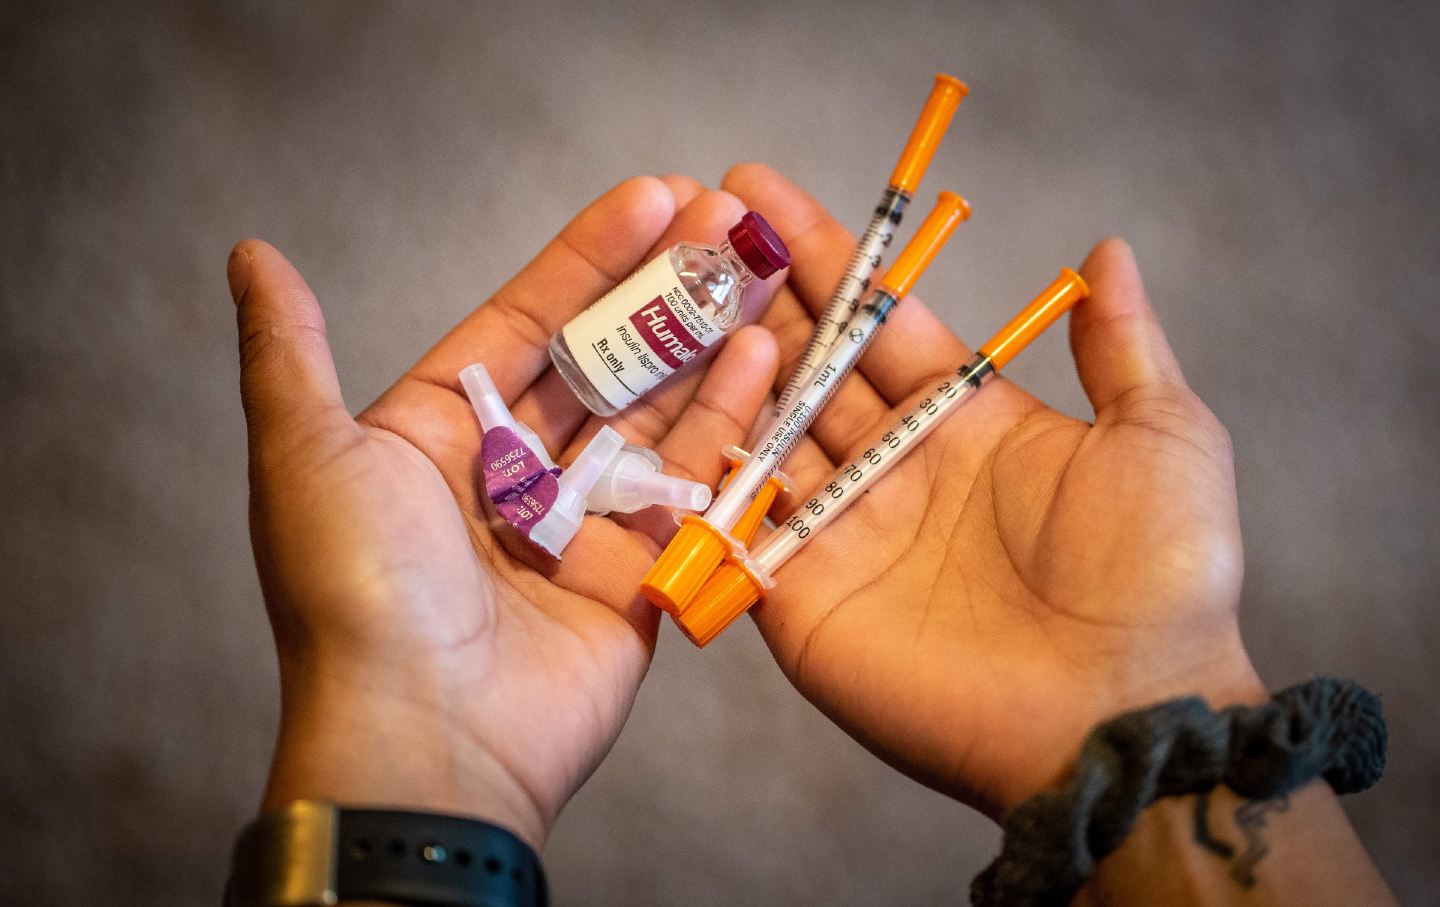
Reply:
x=1054, y=301
x=950, y=209
x=925, y=138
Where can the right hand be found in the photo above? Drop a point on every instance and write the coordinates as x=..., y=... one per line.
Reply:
x=1023, y=575
x=429, y=657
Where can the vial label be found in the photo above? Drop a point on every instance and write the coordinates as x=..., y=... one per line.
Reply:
x=639, y=333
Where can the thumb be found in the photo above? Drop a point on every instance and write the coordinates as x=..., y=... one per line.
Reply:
x=286, y=372
x=1118, y=344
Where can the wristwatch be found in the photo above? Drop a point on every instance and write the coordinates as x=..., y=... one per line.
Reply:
x=313, y=852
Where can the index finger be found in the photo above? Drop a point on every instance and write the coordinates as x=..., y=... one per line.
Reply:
x=914, y=347
x=511, y=332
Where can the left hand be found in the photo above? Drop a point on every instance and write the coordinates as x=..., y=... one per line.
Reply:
x=429, y=657
x=1023, y=575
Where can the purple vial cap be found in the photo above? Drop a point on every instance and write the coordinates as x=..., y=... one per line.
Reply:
x=758, y=245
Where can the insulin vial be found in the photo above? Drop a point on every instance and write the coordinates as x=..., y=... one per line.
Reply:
x=663, y=315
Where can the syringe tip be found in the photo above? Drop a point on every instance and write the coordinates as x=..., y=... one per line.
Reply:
x=582, y=474
x=672, y=491
x=1071, y=276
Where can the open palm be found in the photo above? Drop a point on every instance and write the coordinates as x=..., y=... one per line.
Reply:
x=1023, y=575
x=429, y=657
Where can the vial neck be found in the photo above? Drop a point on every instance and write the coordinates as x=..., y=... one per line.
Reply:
x=735, y=263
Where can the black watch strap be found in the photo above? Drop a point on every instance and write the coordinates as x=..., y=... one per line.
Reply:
x=313, y=852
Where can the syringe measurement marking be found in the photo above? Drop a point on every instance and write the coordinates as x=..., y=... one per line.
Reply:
x=849, y=293
x=877, y=237
x=780, y=436
x=890, y=443
x=852, y=298
x=850, y=290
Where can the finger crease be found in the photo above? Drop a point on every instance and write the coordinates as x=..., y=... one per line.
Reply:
x=712, y=408
x=580, y=253
x=520, y=321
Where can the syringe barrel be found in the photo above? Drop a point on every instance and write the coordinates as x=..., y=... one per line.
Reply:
x=857, y=477
x=945, y=97
x=784, y=431
x=869, y=253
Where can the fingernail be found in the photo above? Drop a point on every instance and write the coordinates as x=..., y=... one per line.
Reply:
x=237, y=270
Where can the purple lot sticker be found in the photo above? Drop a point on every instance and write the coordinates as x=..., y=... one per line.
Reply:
x=524, y=508
x=510, y=466
x=519, y=485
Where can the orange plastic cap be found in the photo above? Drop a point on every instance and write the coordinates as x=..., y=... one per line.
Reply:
x=697, y=549
x=684, y=566
x=754, y=515
x=1056, y=299
x=950, y=209
x=727, y=595
x=945, y=97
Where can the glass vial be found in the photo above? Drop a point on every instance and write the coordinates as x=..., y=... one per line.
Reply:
x=663, y=315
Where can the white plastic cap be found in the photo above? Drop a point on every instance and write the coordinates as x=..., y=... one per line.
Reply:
x=558, y=527
x=492, y=412
x=490, y=407
x=633, y=481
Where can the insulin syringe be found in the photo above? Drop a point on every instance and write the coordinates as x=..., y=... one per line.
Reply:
x=929, y=129
x=743, y=580
x=702, y=542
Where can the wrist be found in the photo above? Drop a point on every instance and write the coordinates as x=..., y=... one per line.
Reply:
x=318, y=852
x=1234, y=848
x=380, y=747
x=1136, y=768
x=1228, y=678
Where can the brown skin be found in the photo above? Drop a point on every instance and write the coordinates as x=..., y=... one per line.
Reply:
x=1026, y=575
x=1308, y=855
x=429, y=658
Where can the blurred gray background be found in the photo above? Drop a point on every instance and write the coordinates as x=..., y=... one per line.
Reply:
x=1277, y=167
